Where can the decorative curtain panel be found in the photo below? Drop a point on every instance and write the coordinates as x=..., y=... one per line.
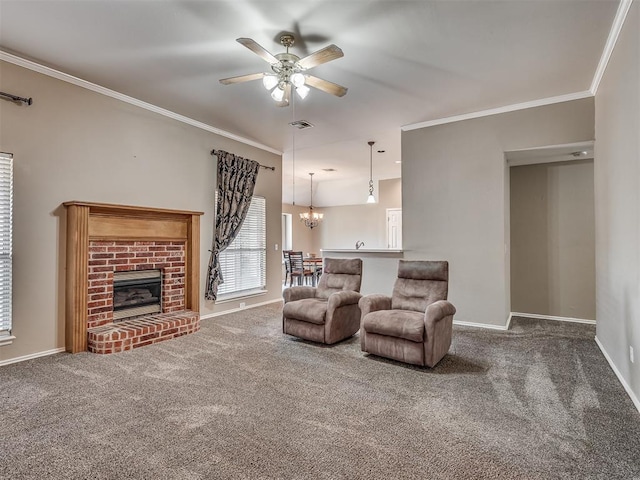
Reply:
x=236, y=181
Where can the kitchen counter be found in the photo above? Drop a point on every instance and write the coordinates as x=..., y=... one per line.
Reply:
x=379, y=266
x=360, y=250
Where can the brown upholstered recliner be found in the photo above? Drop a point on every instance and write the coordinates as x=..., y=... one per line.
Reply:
x=414, y=325
x=329, y=312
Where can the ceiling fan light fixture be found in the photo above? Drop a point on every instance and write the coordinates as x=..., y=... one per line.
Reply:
x=269, y=81
x=297, y=79
x=288, y=70
x=303, y=91
x=277, y=94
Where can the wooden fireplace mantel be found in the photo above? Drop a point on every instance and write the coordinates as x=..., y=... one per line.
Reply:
x=102, y=221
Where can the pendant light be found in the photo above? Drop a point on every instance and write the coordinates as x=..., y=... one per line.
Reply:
x=371, y=198
x=310, y=218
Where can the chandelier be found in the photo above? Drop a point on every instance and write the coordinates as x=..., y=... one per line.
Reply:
x=311, y=219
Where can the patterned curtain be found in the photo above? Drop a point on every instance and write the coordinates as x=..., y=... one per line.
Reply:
x=236, y=180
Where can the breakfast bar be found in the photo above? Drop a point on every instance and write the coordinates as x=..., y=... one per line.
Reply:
x=379, y=266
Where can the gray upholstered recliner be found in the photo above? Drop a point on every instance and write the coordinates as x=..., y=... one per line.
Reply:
x=414, y=325
x=329, y=312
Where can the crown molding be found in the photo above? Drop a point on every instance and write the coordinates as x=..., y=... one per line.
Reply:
x=494, y=111
x=36, y=67
x=614, y=33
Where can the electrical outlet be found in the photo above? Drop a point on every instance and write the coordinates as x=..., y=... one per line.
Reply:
x=631, y=353
x=243, y=304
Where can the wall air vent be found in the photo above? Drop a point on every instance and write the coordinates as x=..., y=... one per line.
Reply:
x=301, y=124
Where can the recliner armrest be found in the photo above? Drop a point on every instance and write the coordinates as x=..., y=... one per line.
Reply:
x=373, y=303
x=292, y=294
x=438, y=311
x=342, y=298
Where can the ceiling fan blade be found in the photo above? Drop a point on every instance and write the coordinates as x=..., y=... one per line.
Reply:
x=258, y=50
x=286, y=98
x=321, y=56
x=325, y=86
x=242, y=78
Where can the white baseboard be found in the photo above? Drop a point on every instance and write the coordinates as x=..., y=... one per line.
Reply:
x=509, y=321
x=627, y=388
x=481, y=325
x=551, y=317
x=528, y=315
x=31, y=356
x=233, y=310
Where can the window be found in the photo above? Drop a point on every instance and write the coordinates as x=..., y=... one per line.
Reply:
x=6, y=226
x=287, y=232
x=244, y=262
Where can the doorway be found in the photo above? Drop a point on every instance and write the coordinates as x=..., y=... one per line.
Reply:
x=552, y=234
x=394, y=228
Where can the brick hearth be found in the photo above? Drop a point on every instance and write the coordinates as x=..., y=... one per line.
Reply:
x=128, y=334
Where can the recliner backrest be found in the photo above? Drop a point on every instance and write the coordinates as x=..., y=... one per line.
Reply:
x=419, y=284
x=339, y=274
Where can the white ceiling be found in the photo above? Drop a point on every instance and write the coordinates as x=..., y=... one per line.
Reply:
x=404, y=62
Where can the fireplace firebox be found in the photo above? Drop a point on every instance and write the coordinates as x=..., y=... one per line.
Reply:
x=136, y=293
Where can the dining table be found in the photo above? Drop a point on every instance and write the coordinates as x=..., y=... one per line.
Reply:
x=315, y=265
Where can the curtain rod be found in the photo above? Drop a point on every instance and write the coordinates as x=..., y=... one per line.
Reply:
x=15, y=98
x=267, y=167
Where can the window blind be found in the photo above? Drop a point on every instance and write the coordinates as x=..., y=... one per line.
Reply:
x=244, y=262
x=6, y=247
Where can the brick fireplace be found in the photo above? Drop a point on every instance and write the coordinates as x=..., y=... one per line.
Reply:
x=105, y=240
x=108, y=258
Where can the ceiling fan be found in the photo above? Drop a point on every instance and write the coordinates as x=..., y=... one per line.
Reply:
x=289, y=71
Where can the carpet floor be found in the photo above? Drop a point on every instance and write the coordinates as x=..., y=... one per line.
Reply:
x=241, y=400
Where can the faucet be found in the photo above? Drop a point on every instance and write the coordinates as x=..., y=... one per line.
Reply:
x=359, y=244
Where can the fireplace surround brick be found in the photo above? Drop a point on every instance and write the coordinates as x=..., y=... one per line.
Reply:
x=106, y=257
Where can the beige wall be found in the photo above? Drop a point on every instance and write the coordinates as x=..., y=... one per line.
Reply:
x=553, y=239
x=75, y=144
x=617, y=183
x=455, y=197
x=343, y=226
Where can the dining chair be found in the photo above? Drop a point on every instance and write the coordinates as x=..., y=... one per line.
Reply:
x=298, y=269
x=287, y=265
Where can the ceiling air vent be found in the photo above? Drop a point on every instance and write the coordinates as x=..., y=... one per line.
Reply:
x=329, y=170
x=301, y=124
